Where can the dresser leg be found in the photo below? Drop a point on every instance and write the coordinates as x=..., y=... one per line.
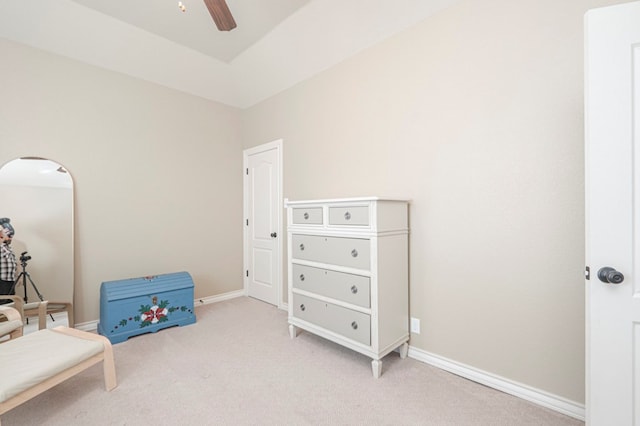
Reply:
x=293, y=331
x=404, y=350
x=376, y=366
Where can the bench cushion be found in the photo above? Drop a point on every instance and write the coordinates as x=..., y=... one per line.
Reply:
x=35, y=357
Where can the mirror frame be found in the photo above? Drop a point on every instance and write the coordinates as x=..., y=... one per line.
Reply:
x=37, y=194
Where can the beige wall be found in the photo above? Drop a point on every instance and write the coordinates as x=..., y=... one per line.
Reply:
x=476, y=115
x=157, y=173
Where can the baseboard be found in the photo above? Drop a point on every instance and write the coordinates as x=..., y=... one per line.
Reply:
x=219, y=297
x=92, y=326
x=537, y=396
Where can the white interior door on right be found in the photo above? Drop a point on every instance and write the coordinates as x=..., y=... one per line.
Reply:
x=612, y=116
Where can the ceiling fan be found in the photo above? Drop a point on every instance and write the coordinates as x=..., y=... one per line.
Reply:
x=221, y=14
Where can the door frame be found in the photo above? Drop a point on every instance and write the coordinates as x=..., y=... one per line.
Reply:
x=277, y=145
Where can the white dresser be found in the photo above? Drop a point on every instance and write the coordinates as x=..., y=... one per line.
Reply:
x=348, y=273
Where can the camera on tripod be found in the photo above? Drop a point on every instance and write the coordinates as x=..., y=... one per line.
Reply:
x=24, y=257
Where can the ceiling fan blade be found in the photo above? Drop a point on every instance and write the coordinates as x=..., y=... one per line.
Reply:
x=221, y=14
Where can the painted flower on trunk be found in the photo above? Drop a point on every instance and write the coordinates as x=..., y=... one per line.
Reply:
x=154, y=315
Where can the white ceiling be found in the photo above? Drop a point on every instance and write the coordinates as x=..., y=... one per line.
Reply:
x=277, y=43
x=195, y=28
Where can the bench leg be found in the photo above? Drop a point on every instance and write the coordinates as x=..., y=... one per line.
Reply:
x=108, y=364
x=109, y=368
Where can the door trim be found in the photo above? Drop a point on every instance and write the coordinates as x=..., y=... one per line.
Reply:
x=277, y=145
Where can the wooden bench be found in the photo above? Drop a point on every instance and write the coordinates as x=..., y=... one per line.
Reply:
x=10, y=323
x=38, y=361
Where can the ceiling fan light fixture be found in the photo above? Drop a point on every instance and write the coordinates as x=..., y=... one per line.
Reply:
x=221, y=14
x=182, y=7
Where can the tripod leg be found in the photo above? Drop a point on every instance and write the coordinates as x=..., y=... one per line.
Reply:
x=24, y=286
x=26, y=274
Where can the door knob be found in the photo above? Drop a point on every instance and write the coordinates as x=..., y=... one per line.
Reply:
x=273, y=235
x=610, y=275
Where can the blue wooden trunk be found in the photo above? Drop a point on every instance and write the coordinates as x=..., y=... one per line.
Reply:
x=142, y=305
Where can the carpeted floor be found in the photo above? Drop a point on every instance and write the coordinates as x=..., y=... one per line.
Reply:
x=238, y=366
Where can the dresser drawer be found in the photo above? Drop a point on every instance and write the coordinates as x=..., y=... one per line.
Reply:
x=354, y=215
x=348, y=288
x=350, y=252
x=351, y=324
x=308, y=215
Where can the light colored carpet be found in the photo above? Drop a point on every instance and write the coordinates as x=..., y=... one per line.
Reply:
x=238, y=366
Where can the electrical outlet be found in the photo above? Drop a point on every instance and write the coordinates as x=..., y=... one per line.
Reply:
x=415, y=325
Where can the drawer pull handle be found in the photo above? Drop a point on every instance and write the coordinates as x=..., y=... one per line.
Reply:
x=354, y=325
x=354, y=289
x=302, y=247
x=302, y=307
x=305, y=215
x=301, y=277
x=347, y=216
x=354, y=253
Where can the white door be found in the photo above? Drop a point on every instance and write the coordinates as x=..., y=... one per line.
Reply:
x=612, y=85
x=263, y=222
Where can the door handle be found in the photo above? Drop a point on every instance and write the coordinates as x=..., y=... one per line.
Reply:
x=610, y=276
x=273, y=235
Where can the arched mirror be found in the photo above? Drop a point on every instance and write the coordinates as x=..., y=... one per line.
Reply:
x=36, y=194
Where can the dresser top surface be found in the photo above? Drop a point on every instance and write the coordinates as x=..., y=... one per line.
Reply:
x=288, y=202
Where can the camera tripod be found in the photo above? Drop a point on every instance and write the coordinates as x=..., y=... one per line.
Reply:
x=24, y=276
